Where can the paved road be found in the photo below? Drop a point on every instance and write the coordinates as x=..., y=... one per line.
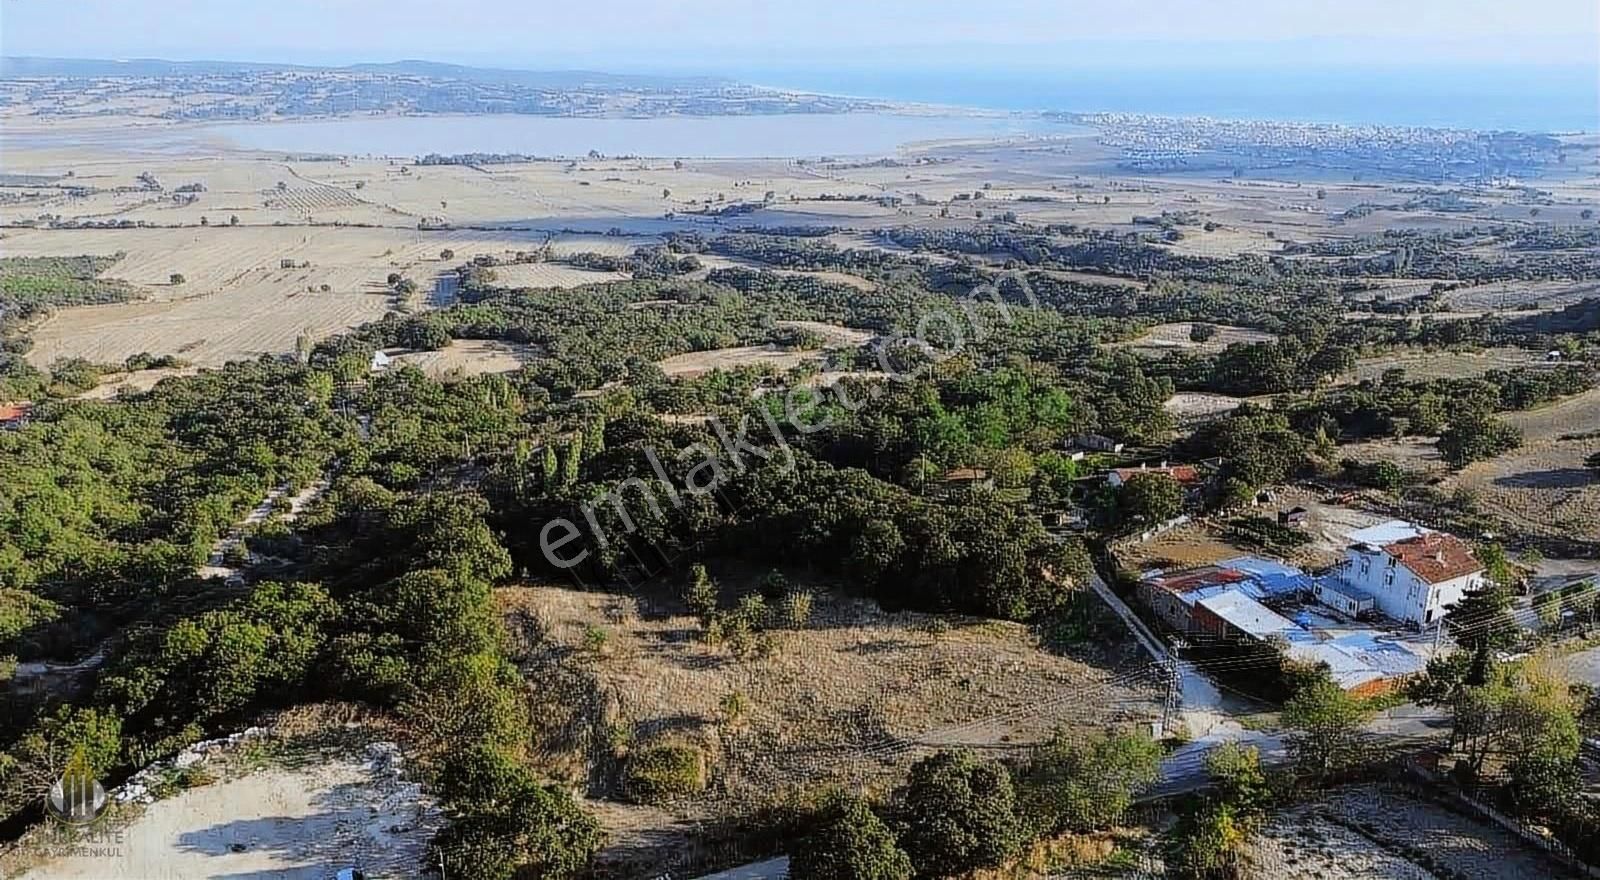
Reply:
x=772, y=869
x=1403, y=726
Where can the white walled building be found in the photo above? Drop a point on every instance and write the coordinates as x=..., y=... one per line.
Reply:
x=1412, y=573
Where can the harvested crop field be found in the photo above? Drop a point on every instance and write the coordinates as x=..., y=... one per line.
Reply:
x=1162, y=338
x=238, y=298
x=550, y=275
x=696, y=363
x=1368, y=833
x=245, y=320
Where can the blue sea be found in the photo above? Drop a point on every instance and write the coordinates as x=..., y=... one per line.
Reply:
x=1524, y=98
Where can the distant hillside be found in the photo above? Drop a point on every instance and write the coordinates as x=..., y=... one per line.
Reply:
x=25, y=66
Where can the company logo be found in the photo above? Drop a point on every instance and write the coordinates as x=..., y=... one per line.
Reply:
x=76, y=798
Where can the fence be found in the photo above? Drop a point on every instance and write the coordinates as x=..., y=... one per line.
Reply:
x=1423, y=783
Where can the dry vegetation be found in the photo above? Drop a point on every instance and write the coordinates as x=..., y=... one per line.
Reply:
x=852, y=697
x=1543, y=486
x=1162, y=338
x=468, y=357
x=1443, y=364
x=698, y=362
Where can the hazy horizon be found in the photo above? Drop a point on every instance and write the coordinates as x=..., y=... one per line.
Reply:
x=719, y=33
x=1465, y=63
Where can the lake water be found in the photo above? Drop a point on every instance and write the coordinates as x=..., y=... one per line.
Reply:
x=787, y=136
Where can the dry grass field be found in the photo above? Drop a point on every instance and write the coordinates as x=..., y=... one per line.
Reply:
x=700, y=362
x=468, y=357
x=1162, y=338
x=114, y=384
x=714, y=261
x=550, y=275
x=853, y=696
x=1543, y=486
x=1443, y=364
x=236, y=300
x=1548, y=295
x=1186, y=405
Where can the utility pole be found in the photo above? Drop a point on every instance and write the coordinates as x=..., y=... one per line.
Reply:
x=1173, y=702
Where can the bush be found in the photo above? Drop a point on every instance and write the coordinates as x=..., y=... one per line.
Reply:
x=850, y=843
x=957, y=814
x=794, y=611
x=662, y=772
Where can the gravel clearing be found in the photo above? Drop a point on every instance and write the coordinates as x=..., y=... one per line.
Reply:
x=1365, y=833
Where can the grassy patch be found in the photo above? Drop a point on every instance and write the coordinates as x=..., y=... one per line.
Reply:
x=60, y=281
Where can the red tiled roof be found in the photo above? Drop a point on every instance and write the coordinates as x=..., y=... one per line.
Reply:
x=966, y=475
x=1435, y=557
x=1195, y=578
x=11, y=411
x=1183, y=473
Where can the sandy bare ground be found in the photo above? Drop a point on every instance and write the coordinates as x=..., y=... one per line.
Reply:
x=1163, y=338
x=300, y=824
x=469, y=357
x=700, y=362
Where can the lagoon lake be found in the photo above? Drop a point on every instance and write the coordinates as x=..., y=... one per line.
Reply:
x=715, y=137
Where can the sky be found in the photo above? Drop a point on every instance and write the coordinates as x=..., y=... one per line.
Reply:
x=731, y=35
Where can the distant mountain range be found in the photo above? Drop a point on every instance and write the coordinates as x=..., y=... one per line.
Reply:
x=13, y=67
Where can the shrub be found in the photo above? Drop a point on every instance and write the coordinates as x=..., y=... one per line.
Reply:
x=958, y=814
x=661, y=772
x=794, y=611
x=850, y=843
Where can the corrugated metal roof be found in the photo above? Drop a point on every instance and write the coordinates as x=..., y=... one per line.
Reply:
x=1387, y=533
x=1274, y=578
x=1246, y=614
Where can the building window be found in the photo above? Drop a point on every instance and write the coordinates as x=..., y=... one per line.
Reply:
x=1428, y=618
x=1388, y=579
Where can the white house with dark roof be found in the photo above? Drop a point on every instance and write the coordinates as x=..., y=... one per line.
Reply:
x=1412, y=573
